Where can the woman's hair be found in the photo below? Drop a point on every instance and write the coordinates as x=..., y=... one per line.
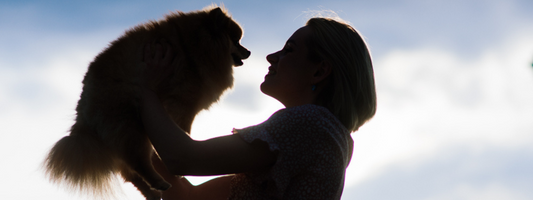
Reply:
x=349, y=92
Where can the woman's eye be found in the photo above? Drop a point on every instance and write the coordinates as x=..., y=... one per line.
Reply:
x=287, y=49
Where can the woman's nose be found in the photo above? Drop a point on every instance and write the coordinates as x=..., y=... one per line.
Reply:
x=272, y=58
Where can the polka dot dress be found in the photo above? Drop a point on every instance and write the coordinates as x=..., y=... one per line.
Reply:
x=313, y=150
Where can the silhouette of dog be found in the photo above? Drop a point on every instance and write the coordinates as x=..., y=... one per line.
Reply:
x=108, y=137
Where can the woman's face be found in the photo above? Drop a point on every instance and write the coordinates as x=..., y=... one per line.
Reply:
x=289, y=78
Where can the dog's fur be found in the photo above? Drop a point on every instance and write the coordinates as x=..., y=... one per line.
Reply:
x=108, y=136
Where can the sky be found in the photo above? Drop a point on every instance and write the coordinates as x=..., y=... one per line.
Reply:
x=454, y=84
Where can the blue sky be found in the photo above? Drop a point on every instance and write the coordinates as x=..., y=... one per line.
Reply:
x=454, y=80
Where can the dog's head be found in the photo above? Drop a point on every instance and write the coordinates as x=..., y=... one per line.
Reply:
x=223, y=26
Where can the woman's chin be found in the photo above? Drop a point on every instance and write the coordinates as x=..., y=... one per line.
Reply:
x=266, y=88
x=263, y=88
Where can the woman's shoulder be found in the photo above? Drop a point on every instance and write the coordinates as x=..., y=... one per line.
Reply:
x=303, y=111
x=304, y=108
x=307, y=122
x=308, y=115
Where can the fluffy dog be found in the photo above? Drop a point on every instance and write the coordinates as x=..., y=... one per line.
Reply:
x=108, y=137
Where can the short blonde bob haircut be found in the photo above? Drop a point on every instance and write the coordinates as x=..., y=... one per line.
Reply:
x=349, y=92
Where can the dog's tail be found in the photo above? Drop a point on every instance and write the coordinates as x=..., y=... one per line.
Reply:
x=82, y=163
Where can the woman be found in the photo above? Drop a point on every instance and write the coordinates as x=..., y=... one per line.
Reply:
x=324, y=78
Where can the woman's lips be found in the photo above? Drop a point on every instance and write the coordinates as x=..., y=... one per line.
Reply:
x=271, y=71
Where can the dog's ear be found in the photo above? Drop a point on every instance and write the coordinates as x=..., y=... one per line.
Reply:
x=218, y=19
x=216, y=11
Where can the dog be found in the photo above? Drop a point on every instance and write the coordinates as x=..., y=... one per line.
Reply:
x=108, y=138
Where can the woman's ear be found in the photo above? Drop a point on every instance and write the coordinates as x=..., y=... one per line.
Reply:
x=322, y=71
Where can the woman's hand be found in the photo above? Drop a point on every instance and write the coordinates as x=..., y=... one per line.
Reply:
x=182, y=189
x=159, y=60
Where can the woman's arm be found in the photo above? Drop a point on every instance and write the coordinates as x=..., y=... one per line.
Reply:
x=182, y=189
x=182, y=155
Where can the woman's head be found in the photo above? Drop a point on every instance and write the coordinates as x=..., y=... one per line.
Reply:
x=326, y=63
x=291, y=74
x=349, y=92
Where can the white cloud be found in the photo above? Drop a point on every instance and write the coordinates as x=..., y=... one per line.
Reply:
x=492, y=191
x=40, y=83
x=432, y=100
